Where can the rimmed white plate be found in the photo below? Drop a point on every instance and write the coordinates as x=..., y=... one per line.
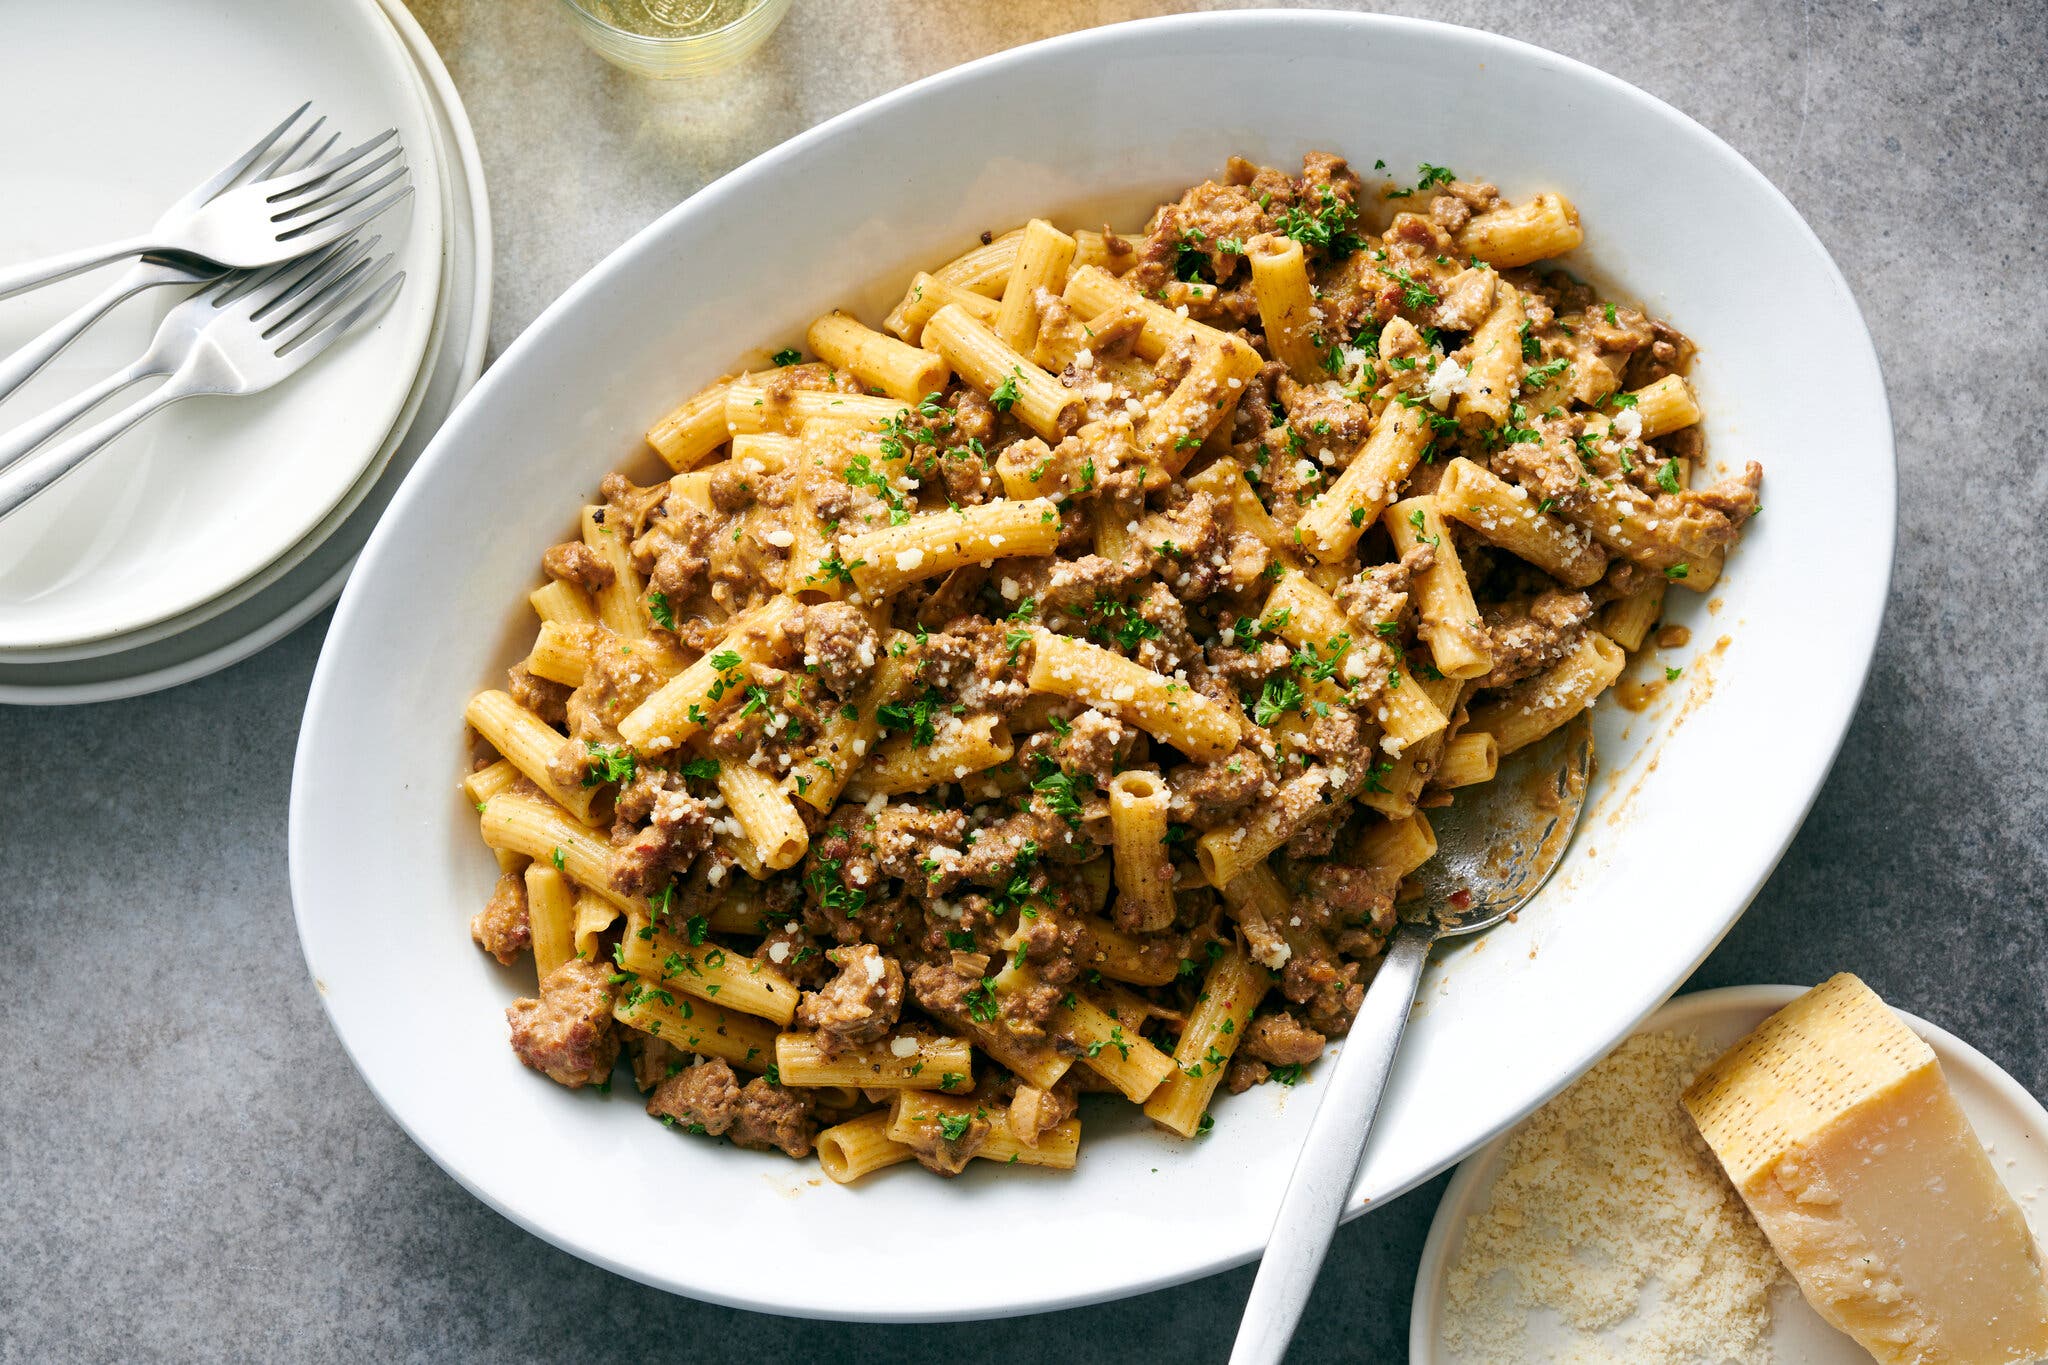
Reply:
x=2012, y=1124
x=309, y=577
x=120, y=108
x=1674, y=214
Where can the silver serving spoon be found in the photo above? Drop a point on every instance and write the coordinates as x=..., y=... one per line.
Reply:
x=1496, y=846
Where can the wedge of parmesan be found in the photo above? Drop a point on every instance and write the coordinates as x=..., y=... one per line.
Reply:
x=1835, y=1124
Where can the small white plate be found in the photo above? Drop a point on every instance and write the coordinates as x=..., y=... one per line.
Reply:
x=304, y=581
x=2011, y=1122
x=120, y=108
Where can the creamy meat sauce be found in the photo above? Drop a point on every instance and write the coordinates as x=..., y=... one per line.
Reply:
x=985, y=906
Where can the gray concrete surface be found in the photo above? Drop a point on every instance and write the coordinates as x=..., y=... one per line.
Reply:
x=189, y=1166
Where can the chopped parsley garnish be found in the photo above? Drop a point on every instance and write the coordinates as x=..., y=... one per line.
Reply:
x=1327, y=224
x=658, y=608
x=913, y=718
x=1413, y=293
x=1427, y=175
x=1115, y=1040
x=860, y=473
x=788, y=355
x=981, y=1001
x=704, y=769
x=1281, y=696
x=1667, y=477
x=823, y=881
x=1676, y=572
x=608, y=764
x=833, y=569
x=1058, y=789
x=1004, y=396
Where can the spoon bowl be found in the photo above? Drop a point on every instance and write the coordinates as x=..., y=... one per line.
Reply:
x=1499, y=841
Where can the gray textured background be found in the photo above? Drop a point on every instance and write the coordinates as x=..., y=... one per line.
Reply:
x=188, y=1164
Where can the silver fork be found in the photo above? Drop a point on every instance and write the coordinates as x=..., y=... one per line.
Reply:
x=182, y=330
x=266, y=327
x=258, y=224
x=153, y=271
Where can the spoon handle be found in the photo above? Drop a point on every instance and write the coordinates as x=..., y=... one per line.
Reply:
x=1314, y=1202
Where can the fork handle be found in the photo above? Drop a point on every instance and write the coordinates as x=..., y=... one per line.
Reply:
x=19, y=279
x=30, y=476
x=19, y=368
x=1314, y=1202
x=40, y=428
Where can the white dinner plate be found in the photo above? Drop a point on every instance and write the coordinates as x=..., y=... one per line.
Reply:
x=1119, y=117
x=309, y=576
x=127, y=642
x=2011, y=1123
x=117, y=109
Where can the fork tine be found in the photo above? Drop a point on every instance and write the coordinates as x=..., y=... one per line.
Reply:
x=284, y=158
x=340, y=225
x=318, y=332
x=319, y=153
x=331, y=194
x=334, y=261
x=258, y=288
x=233, y=171
x=296, y=183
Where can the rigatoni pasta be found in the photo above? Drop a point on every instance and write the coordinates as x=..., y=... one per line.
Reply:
x=1042, y=695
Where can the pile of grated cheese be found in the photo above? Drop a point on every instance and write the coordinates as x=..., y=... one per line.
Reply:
x=1610, y=1212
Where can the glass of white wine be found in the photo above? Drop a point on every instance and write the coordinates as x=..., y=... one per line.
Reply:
x=666, y=39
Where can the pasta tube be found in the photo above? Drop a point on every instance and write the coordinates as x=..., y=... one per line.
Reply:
x=1535, y=706
x=1443, y=595
x=881, y=362
x=530, y=743
x=890, y=558
x=707, y=971
x=908, y=1061
x=1503, y=515
x=1043, y=255
x=1230, y=992
x=1165, y=709
x=847, y=1151
x=1008, y=378
x=1144, y=873
x=687, y=436
x=697, y=1026
x=1337, y=516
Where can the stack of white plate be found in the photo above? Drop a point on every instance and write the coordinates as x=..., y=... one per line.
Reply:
x=221, y=525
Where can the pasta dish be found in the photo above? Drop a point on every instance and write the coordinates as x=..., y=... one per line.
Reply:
x=1045, y=693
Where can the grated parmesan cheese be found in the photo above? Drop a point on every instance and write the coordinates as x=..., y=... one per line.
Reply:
x=1607, y=1188
x=1445, y=381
